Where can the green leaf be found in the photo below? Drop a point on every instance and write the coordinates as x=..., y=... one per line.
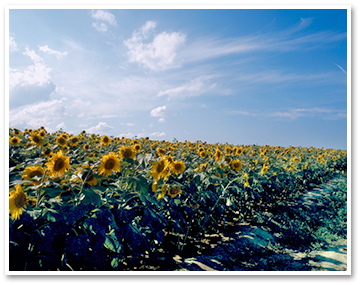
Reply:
x=92, y=196
x=177, y=201
x=111, y=242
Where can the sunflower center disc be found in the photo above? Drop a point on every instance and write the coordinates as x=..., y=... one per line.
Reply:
x=109, y=164
x=59, y=164
x=20, y=200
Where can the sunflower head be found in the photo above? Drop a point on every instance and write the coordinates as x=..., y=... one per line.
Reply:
x=58, y=164
x=73, y=141
x=178, y=167
x=105, y=140
x=14, y=140
x=109, y=163
x=158, y=168
x=236, y=165
x=127, y=152
x=17, y=200
x=36, y=139
x=61, y=141
x=217, y=154
x=174, y=191
x=31, y=172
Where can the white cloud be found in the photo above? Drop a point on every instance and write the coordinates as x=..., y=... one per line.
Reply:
x=100, y=128
x=161, y=120
x=61, y=126
x=159, y=112
x=327, y=114
x=35, y=115
x=104, y=16
x=37, y=74
x=157, y=134
x=58, y=54
x=100, y=27
x=12, y=44
x=159, y=54
x=194, y=87
x=131, y=135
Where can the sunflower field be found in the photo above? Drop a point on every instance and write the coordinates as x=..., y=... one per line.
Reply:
x=91, y=202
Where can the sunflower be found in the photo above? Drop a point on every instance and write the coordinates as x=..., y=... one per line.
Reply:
x=127, y=152
x=105, y=140
x=16, y=132
x=42, y=133
x=86, y=175
x=218, y=154
x=265, y=169
x=47, y=152
x=32, y=171
x=14, y=140
x=178, y=167
x=61, y=141
x=158, y=169
x=17, y=201
x=137, y=147
x=36, y=139
x=202, y=153
x=174, y=191
x=155, y=186
x=109, y=163
x=236, y=165
x=160, y=151
x=73, y=141
x=86, y=147
x=163, y=191
x=58, y=164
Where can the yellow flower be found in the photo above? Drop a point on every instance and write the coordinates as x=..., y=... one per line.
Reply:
x=61, y=141
x=14, y=140
x=74, y=141
x=155, y=186
x=109, y=163
x=86, y=147
x=127, y=152
x=58, y=164
x=47, y=152
x=163, y=191
x=157, y=169
x=264, y=169
x=160, y=151
x=178, y=167
x=31, y=171
x=17, y=201
x=137, y=147
x=174, y=191
x=86, y=174
x=236, y=165
x=218, y=154
x=36, y=139
x=105, y=140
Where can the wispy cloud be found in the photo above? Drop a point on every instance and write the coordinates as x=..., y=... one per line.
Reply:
x=36, y=74
x=160, y=53
x=328, y=114
x=101, y=128
x=103, y=19
x=279, y=76
x=12, y=44
x=58, y=54
x=293, y=38
x=157, y=134
x=35, y=115
x=159, y=112
x=194, y=87
x=340, y=68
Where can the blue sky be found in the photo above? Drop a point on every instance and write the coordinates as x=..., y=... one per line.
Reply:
x=261, y=76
